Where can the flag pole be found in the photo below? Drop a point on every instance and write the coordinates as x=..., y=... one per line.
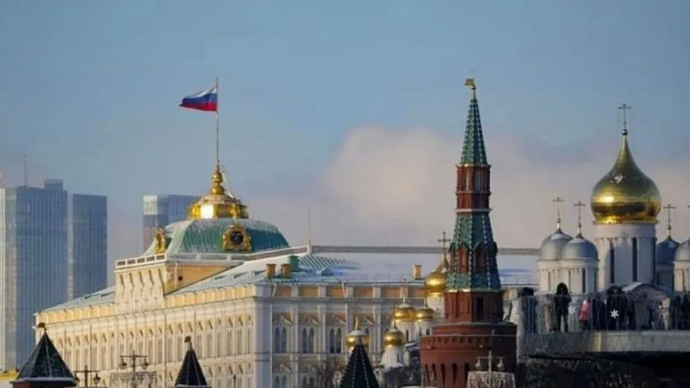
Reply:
x=217, y=123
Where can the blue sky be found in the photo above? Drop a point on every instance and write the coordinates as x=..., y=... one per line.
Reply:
x=89, y=89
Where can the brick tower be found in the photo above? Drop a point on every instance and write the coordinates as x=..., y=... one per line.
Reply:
x=473, y=300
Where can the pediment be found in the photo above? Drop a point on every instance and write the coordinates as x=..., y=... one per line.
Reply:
x=367, y=321
x=282, y=320
x=310, y=320
x=338, y=320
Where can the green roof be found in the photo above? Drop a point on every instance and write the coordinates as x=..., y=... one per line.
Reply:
x=206, y=236
x=473, y=150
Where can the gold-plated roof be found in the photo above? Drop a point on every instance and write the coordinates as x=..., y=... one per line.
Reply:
x=357, y=335
x=625, y=194
x=403, y=313
x=426, y=313
x=217, y=203
x=435, y=282
x=393, y=337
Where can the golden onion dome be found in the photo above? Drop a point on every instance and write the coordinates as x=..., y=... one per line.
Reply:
x=357, y=336
x=217, y=203
x=625, y=194
x=435, y=281
x=404, y=313
x=426, y=314
x=393, y=338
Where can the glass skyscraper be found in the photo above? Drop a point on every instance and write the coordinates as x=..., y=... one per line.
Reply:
x=53, y=247
x=161, y=210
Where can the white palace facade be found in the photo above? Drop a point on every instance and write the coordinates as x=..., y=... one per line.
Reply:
x=260, y=313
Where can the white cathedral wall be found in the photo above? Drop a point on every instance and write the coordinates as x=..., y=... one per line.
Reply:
x=681, y=274
x=579, y=275
x=621, y=237
x=549, y=275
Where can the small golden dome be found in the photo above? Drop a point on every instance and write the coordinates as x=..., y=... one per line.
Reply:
x=357, y=336
x=625, y=194
x=404, y=313
x=435, y=282
x=426, y=314
x=393, y=337
x=217, y=203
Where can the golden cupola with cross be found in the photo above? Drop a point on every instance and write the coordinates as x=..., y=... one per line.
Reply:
x=218, y=203
x=625, y=194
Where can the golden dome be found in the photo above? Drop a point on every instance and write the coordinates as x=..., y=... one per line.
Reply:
x=625, y=194
x=393, y=337
x=426, y=313
x=356, y=336
x=435, y=282
x=217, y=203
x=404, y=313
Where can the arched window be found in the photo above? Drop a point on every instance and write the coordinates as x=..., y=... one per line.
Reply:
x=339, y=341
x=304, y=382
x=283, y=341
x=311, y=340
x=331, y=341
x=238, y=345
x=228, y=340
x=305, y=341
x=276, y=382
x=462, y=252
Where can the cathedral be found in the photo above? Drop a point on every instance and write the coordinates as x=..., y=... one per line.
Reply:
x=625, y=204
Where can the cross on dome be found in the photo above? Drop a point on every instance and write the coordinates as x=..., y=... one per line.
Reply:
x=579, y=205
x=558, y=201
x=669, y=208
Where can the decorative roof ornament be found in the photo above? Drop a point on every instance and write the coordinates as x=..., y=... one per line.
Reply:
x=579, y=205
x=669, y=208
x=160, y=240
x=357, y=336
x=558, y=201
x=625, y=194
x=218, y=203
x=191, y=374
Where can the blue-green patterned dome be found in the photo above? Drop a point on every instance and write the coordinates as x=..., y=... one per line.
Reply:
x=206, y=236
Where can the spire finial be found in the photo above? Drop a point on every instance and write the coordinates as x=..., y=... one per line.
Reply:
x=624, y=108
x=558, y=201
x=579, y=205
x=188, y=341
x=470, y=82
x=669, y=208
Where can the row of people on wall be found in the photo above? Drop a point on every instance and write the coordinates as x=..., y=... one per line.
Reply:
x=611, y=310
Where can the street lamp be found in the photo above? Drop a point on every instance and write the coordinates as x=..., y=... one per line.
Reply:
x=133, y=357
x=86, y=372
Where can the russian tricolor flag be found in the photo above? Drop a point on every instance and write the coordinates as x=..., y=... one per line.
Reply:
x=206, y=100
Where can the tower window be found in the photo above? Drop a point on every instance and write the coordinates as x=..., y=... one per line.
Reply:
x=479, y=308
x=634, y=260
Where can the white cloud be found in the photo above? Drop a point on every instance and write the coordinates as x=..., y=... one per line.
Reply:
x=397, y=187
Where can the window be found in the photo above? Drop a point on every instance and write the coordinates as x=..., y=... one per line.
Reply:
x=634, y=259
x=276, y=340
x=479, y=308
x=240, y=348
x=283, y=340
x=335, y=341
x=584, y=280
x=228, y=340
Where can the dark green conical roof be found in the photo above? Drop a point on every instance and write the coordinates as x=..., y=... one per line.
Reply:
x=473, y=150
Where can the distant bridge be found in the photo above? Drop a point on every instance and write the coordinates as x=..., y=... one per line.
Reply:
x=410, y=250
